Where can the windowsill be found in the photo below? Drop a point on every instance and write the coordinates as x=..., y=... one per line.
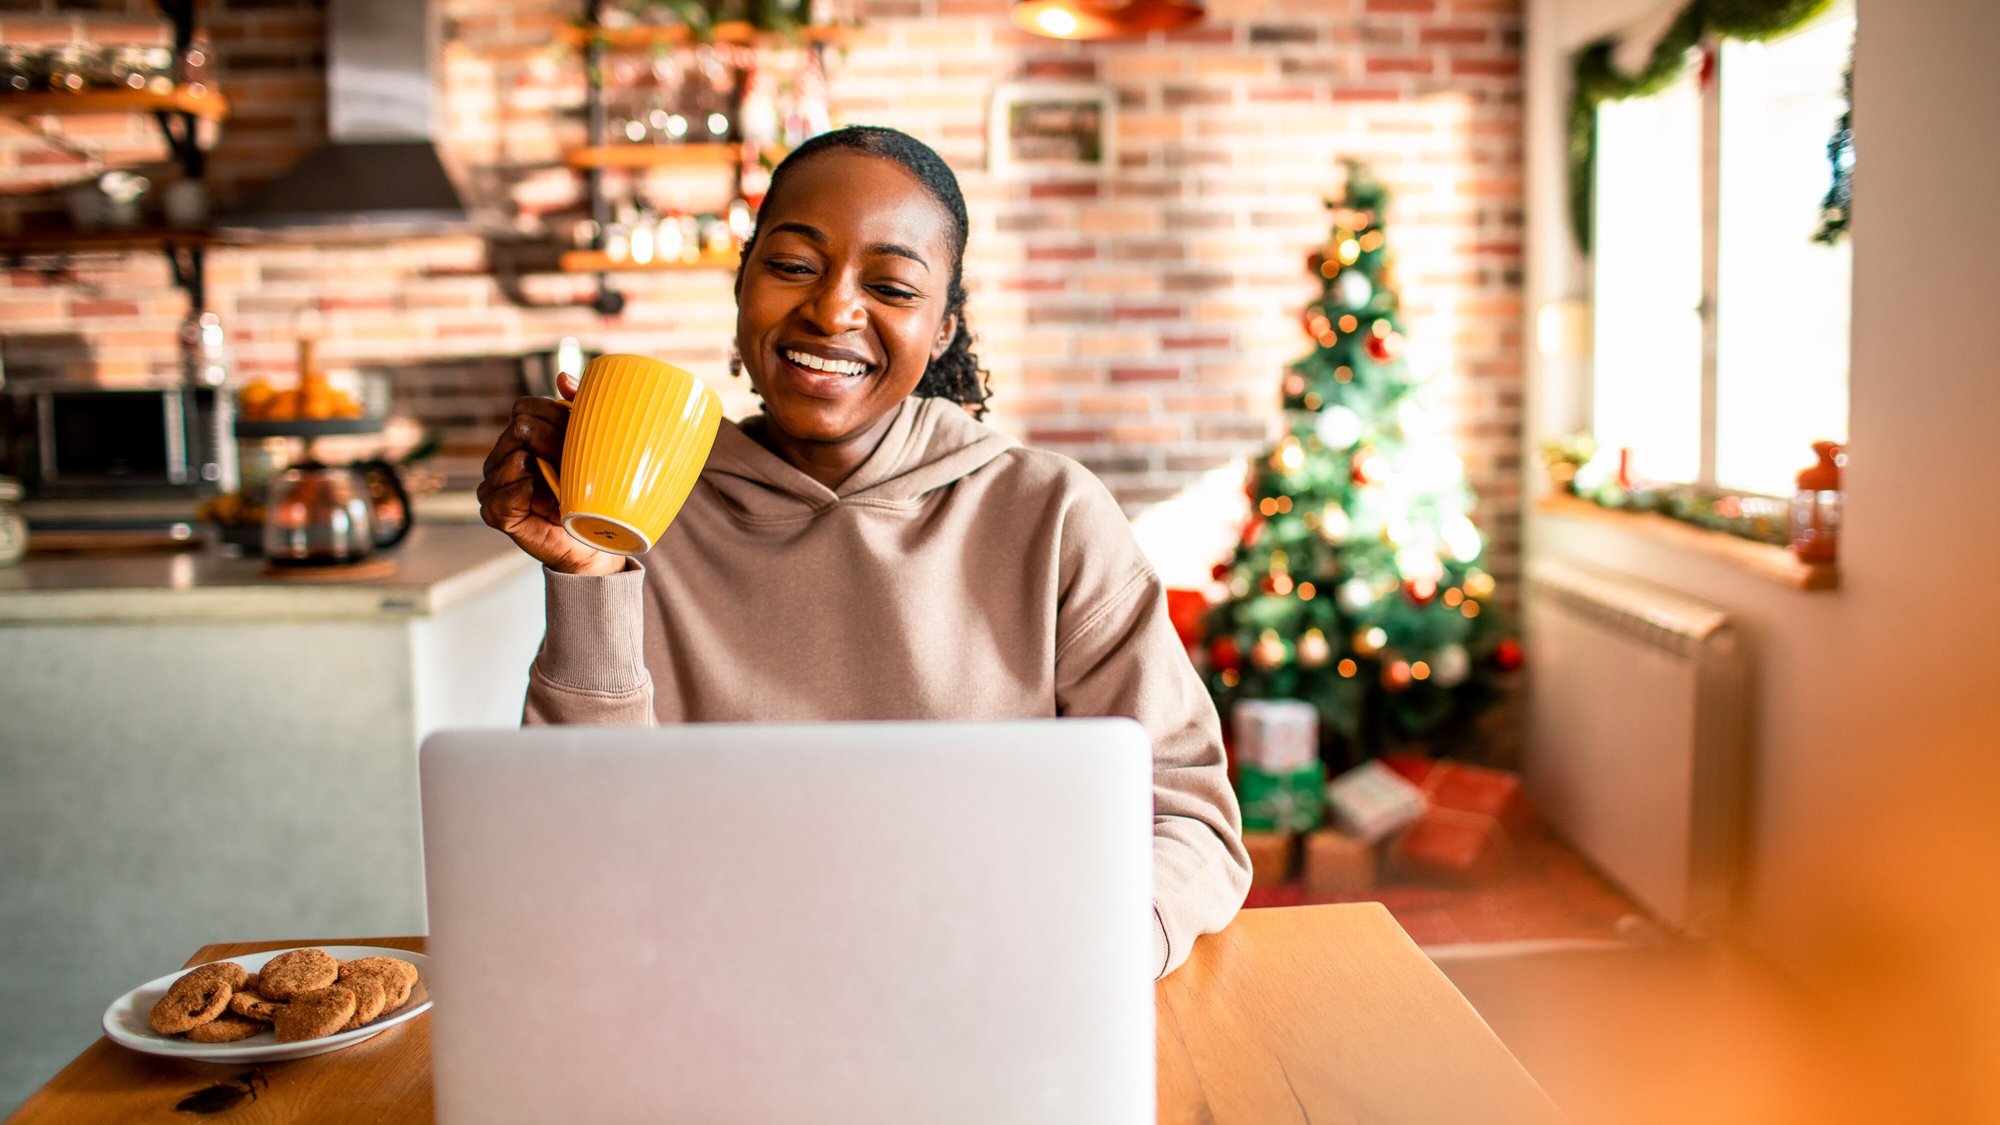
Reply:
x=1774, y=564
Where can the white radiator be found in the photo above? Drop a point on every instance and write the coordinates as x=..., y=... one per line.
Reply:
x=1637, y=746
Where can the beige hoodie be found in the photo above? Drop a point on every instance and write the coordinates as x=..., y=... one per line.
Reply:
x=955, y=575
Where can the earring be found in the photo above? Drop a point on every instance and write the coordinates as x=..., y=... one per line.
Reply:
x=735, y=361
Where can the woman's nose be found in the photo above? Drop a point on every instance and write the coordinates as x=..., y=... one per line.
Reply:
x=836, y=306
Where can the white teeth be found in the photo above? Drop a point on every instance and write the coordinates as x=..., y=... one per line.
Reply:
x=830, y=366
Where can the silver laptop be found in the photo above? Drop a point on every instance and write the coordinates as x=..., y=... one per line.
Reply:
x=870, y=922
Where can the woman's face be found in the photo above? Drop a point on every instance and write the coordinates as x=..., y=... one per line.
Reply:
x=842, y=303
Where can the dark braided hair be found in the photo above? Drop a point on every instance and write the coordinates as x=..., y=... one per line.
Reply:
x=956, y=374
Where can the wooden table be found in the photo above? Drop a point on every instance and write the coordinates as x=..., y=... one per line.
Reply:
x=1312, y=1014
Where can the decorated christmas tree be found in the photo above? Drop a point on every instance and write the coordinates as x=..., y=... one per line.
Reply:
x=1357, y=586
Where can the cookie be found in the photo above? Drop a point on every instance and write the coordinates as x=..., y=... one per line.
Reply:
x=370, y=993
x=231, y=972
x=310, y=1015
x=225, y=1029
x=249, y=983
x=394, y=966
x=252, y=1006
x=191, y=1001
x=301, y=970
x=398, y=977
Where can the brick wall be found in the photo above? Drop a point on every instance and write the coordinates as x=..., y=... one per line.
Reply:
x=1139, y=322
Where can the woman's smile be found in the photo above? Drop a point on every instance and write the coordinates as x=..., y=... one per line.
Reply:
x=822, y=373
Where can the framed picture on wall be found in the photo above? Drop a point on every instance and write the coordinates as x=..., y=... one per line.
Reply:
x=1051, y=130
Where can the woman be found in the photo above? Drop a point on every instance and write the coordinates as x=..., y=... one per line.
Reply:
x=866, y=549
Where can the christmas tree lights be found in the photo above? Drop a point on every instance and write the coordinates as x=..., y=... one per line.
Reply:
x=1357, y=585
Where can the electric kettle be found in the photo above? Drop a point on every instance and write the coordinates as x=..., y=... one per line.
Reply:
x=327, y=515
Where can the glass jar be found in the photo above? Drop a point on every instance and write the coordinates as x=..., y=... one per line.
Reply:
x=143, y=68
x=194, y=68
x=23, y=70
x=13, y=528
x=69, y=69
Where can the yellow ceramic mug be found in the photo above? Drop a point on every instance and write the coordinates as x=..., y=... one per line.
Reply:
x=639, y=432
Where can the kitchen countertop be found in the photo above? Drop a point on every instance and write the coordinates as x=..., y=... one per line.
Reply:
x=438, y=566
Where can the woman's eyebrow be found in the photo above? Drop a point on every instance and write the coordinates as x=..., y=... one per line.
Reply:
x=814, y=234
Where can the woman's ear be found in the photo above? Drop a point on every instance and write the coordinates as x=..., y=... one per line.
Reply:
x=946, y=330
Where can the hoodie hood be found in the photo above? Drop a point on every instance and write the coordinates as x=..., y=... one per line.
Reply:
x=931, y=443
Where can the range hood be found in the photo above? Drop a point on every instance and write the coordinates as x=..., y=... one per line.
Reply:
x=380, y=172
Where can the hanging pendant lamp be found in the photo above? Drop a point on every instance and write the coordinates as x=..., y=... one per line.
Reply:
x=1103, y=19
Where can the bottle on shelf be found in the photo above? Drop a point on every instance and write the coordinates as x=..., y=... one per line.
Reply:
x=1815, y=522
x=643, y=240
x=206, y=366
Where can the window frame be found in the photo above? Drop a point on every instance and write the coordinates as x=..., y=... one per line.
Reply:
x=1710, y=94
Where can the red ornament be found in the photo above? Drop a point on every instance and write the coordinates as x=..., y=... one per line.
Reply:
x=1507, y=655
x=1219, y=571
x=1419, y=590
x=1224, y=655
x=1396, y=675
x=1382, y=349
x=1253, y=531
x=1269, y=585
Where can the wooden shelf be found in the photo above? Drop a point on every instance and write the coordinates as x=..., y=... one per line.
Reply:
x=597, y=261
x=662, y=156
x=737, y=32
x=200, y=101
x=65, y=241
x=1763, y=559
x=654, y=156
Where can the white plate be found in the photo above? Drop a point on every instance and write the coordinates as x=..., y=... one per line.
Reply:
x=128, y=1020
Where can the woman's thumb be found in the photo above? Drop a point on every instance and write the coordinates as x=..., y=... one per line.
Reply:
x=566, y=385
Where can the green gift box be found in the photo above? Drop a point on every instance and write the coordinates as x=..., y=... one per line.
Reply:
x=1282, y=800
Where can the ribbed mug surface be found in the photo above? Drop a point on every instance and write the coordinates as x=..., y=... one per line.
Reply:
x=639, y=433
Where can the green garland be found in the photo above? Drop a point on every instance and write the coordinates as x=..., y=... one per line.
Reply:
x=1596, y=79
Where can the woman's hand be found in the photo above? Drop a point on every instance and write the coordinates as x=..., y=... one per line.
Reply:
x=515, y=499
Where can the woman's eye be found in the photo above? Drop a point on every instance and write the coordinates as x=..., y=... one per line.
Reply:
x=892, y=293
x=792, y=269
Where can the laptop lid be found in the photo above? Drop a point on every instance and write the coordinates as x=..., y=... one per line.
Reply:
x=866, y=922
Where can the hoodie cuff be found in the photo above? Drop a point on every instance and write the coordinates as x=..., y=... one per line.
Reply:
x=596, y=632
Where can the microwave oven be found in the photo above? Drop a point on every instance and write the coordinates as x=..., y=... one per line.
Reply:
x=70, y=440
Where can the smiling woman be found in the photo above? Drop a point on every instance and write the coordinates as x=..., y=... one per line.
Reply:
x=851, y=296
x=865, y=548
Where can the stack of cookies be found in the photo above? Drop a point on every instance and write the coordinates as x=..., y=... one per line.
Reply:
x=300, y=994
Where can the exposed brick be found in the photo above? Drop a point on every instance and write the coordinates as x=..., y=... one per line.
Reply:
x=1145, y=374
x=1080, y=189
x=1061, y=253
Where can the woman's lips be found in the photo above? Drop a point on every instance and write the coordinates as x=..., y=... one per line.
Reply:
x=818, y=384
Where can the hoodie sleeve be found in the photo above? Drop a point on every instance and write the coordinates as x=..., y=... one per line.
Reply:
x=1118, y=654
x=591, y=667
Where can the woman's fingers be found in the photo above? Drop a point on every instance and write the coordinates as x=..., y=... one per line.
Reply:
x=536, y=424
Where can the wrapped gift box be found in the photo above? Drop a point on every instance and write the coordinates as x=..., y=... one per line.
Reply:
x=1479, y=790
x=1372, y=801
x=1276, y=735
x=1282, y=800
x=1446, y=849
x=1337, y=863
x=1270, y=857
x=1468, y=833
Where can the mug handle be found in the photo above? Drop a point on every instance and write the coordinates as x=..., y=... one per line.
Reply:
x=549, y=471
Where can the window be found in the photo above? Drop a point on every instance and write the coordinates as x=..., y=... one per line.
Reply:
x=1724, y=184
